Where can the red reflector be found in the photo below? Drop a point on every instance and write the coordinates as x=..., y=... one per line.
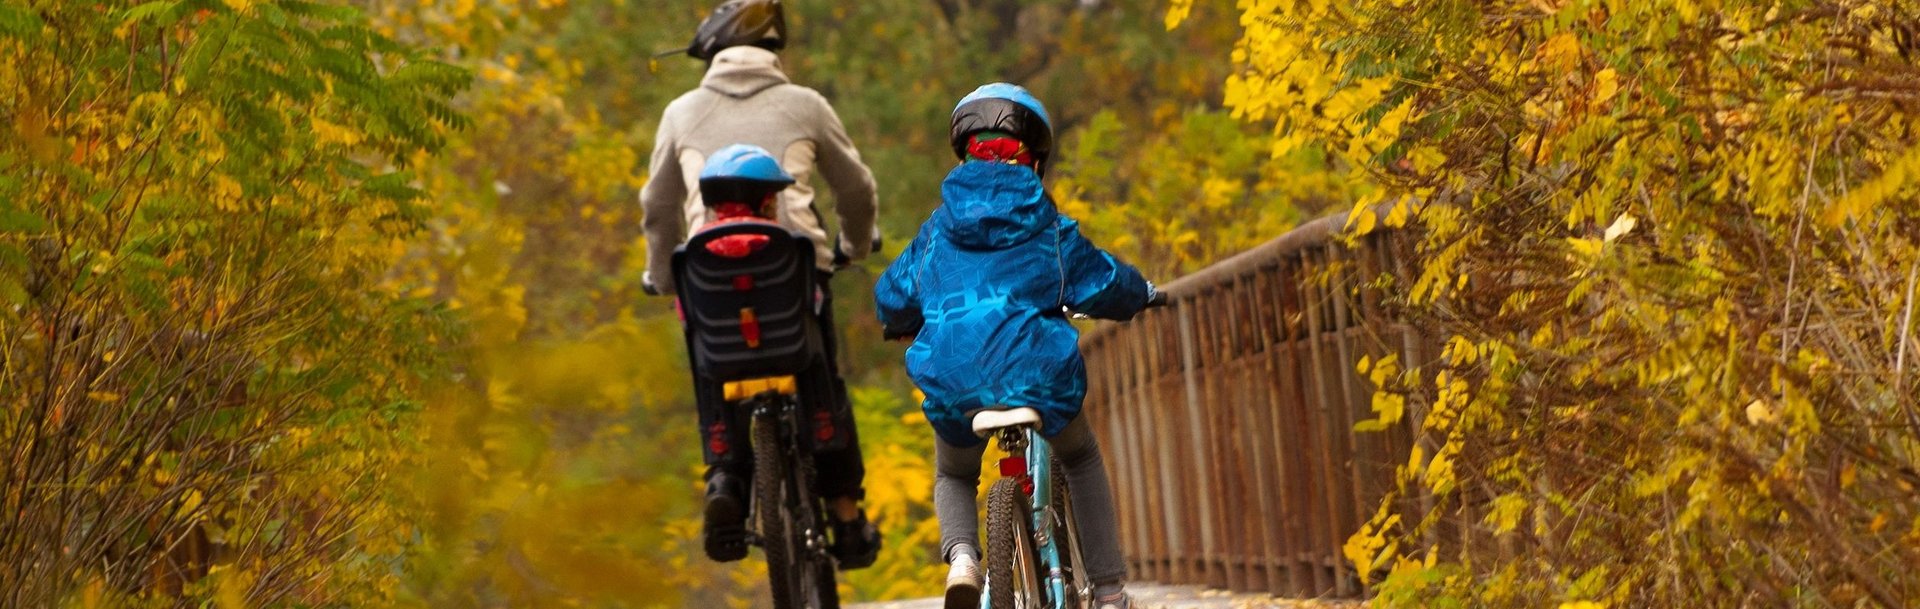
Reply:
x=1011, y=467
x=750, y=328
x=717, y=439
x=823, y=430
x=742, y=283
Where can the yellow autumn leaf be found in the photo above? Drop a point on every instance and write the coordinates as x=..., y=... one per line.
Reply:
x=1177, y=12
x=226, y=192
x=1606, y=84
x=329, y=133
x=1586, y=248
x=1561, y=52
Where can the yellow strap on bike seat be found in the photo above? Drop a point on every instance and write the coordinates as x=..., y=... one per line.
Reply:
x=741, y=390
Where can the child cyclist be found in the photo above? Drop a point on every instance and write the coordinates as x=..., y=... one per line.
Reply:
x=981, y=289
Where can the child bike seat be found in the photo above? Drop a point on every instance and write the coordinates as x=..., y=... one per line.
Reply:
x=986, y=422
x=752, y=315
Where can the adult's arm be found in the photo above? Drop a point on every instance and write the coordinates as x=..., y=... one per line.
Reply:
x=855, y=200
x=661, y=205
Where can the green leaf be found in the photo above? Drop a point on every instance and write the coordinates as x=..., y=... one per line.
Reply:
x=18, y=21
x=16, y=220
x=162, y=12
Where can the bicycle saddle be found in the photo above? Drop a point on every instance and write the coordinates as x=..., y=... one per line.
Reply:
x=985, y=422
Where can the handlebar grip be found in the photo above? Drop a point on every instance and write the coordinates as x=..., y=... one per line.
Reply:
x=1159, y=299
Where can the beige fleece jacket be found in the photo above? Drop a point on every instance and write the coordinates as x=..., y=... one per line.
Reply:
x=746, y=99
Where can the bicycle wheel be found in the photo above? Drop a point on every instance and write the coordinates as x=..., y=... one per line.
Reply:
x=770, y=502
x=813, y=570
x=828, y=589
x=1011, y=573
x=800, y=578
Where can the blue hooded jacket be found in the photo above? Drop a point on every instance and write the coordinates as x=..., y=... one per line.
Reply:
x=983, y=284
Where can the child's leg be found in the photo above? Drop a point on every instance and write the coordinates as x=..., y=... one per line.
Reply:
x=956, y=484
x=1092, y=505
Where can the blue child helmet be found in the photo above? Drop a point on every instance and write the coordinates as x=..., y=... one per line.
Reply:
x=741, y=173
x=1006, y=108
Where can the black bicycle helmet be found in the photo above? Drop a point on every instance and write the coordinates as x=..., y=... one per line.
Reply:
x=1008, y=109
x=761, y=23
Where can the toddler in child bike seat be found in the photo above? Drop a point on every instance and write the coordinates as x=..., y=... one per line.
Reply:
x=981, y=289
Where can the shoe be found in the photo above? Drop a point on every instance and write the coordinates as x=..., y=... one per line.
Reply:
x=855, y=543
x=725, y=527
x=1117, y=601
x=963, y=583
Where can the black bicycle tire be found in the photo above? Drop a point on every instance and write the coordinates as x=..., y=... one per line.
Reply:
x=769, y=476
x=829, y=588
x=827, y=593
x=1005, y=526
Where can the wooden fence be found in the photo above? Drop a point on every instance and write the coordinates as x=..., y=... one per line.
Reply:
x=1228, y=418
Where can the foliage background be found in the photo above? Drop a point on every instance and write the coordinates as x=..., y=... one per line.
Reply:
x=1670, y=253
x=312, y=324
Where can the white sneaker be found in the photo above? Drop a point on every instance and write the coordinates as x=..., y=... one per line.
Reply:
x=1120, y=602
x=963, y=583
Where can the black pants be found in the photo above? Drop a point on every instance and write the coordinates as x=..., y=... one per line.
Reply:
x=725, y=436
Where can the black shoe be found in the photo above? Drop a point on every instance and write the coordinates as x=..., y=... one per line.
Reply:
x=855, y=543
x=726, y=530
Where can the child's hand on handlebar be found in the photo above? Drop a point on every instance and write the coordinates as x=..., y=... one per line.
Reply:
x=1155, y=297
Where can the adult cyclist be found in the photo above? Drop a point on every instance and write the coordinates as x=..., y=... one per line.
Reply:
x=745, y=98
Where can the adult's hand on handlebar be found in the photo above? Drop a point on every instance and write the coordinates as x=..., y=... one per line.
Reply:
x=840, y=258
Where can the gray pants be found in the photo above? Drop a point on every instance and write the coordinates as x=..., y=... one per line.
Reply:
x=956, y=488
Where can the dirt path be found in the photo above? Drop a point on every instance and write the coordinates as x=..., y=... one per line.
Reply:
x=1170, y=597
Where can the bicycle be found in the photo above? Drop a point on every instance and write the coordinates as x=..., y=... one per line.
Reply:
x=789, y=520
x=750, y=325
x=1033, y=560
x=1028, y=565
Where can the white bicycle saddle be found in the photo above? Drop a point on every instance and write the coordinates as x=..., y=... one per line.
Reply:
x=985, y=422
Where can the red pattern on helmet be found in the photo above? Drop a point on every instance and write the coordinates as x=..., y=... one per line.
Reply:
x=999, y=150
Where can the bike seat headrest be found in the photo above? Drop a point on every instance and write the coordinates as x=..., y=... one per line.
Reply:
x=986, y=422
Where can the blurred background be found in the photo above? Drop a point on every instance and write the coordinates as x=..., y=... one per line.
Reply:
x=564, y=469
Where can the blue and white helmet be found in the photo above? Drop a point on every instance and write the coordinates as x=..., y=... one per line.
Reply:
x=1006, y=108
x=742, y=173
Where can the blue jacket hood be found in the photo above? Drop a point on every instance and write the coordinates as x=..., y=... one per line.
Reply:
x=991, y=206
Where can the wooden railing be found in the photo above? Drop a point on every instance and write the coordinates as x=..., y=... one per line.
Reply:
x=1228, y=418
